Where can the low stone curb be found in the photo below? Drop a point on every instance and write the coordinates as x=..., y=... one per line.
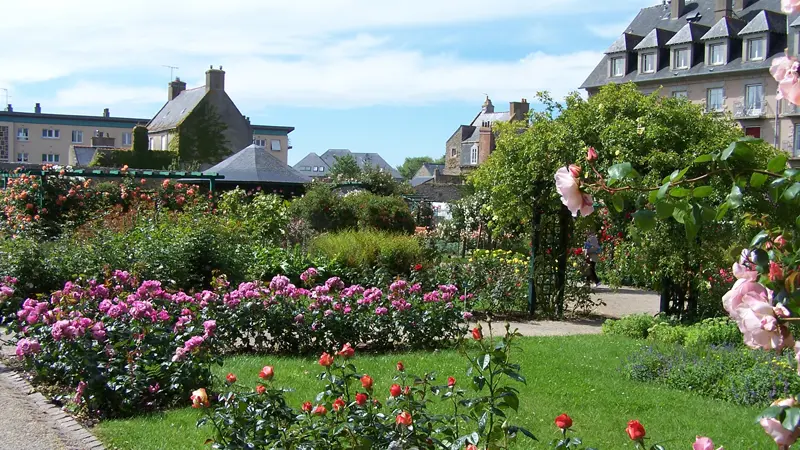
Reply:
x=74, y=435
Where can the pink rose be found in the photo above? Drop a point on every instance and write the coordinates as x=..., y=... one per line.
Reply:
x=760, y=326
x=790, y=6
x=784, y=70
x=733, y=298
x=571, y=195
x=704, y=443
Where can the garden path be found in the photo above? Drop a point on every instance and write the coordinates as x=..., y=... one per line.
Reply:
x=618, y=303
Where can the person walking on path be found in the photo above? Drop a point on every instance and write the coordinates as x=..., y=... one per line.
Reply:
x=592, y=247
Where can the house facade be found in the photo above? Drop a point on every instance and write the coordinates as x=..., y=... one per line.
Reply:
x=471, y=145
x=716, y=53
x=319, y=166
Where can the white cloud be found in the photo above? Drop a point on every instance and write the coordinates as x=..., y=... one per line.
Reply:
x=304, y=52
x=608, y=30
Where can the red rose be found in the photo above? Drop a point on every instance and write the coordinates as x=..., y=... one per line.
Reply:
x=260, y=389
x=400, y=366
x=563, y=421
x=635, y=430
x=361, y=398
x=395, y=390
x=267, y=373
x=320, y=410
x=338, y=404
x=230, y=378
x=477, y=334
x=471, y=447
x=347, y=351
x=451, y=382
x=406, y=390
x=404, y=418
x=366, y=382
x=418, y=267
x=307, y=407
x=326, y=360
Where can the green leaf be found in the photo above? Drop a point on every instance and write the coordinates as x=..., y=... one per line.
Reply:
x=621, y=171
x=482, y=422
x=759, y=238
x=777, y=164
x=792, y=418
x=664, y=210
x=484, y=361
x=790, y=193
x=702, y=191
x=618, y=201
x=678, y=175
x=722, y=210
x=679, y=192
x=758, y=180
x=662, y=191
x=728, y=151
x=703, y=158
x=653, y=196
x=645, y=219
x=735, y=197
x=679, y=214
x=740, y=149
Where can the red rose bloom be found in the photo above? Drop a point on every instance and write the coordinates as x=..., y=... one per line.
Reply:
x=395, y=390
x=366, y=382
x=477, y=334
x=400, y=366
x=267, y=373
x=260, y=389
x=563, y=421
x=347, y=351
x=326, y=360
x=307, y=407
x=406, y=390
x=404, y=418
x=338, y=404
x=230, y=378
x=471, y=447
x=451, y=382
x=635, y=430
x=418, y=267
x=361, y=398
x=320, y=410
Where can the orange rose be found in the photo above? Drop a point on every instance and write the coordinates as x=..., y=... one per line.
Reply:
x=635, y=430
x=326, y=360
x=230, y=378
x=306, y=407
x=267, y=373
x=404, y=418
x=366, y=382
x=400, y=366
x=338, y=404
x=347, y=351
x=563, y=421
x=361, y=399
x=260, y=389
x=320, y=410
x=199, y=398
x=477, y=334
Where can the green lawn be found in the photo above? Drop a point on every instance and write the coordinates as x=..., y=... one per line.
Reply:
x=579, y=375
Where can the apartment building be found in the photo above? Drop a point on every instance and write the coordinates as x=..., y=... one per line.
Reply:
x=37, y=137
x=472, y=144
x=713, y=52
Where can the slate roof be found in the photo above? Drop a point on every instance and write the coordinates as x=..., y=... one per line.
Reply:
x=83, y=155
x=416, y=181
x=362, y=159
x=254, y=164
x=726, y=27
x=702, y=12
x=624, y=43
x=430, y=167
x=765, y=22
x=176, y=110
x=311, y=160
x=796, y=22
x=656, y=38
x=691, y=32
x=491, y=117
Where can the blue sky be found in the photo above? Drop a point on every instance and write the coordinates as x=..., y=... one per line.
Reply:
x=395, y=78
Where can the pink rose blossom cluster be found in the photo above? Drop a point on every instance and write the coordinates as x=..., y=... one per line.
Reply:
x=785, y=71
x=568, y=186
x=308, y=275
x=27, y=347
x=192, y=344
x=334, y=284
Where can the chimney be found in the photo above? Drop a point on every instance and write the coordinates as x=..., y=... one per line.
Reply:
x=215, y=79
x=485, y=142
x=739, y=5
x=99, y=140
x=487, y=107
x=9, y=108
x=677, y=7
x=106, y=112
x=175, y=88
x=722, y=8
x=519, y=110
x=37, y=109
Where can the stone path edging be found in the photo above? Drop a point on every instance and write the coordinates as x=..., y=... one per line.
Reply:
x=73, y=435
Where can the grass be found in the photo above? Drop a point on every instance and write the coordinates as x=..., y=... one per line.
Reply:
x=579, y=375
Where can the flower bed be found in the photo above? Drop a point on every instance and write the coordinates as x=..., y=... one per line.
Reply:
x=125, y=346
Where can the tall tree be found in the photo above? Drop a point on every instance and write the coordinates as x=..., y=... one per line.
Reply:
x=412, y=164
x=345, y=168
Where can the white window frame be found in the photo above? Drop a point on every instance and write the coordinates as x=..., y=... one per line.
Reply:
x=613, y=62
x=127, y=138
x=643, y=58
x=756, y=108
x=453, y=152
x=164, y=141
x=152, y=143
x=272, y=143
x=316, y=169
x=22, y=134
x=721, y=47
x=51, y=157
x=762, y=47
x=676, y=56
x=473, y=154
x=79, y=135
x=680, y=93
x=322, y=168
x=51, y=133
x=22, y=157
x=708, y=99
x=260, y=142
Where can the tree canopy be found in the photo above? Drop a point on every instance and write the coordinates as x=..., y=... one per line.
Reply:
x=345, y=168
x=412, y=164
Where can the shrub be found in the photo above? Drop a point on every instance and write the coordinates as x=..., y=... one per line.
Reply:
x=634, y=326
x=324, y=210
x=369, y=250
x=713, y=331
x=160, y=160
x=388, y=213
x=664, y=332
x=735, y=374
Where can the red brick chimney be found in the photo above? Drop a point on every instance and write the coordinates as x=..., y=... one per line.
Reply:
x=519, y=110
x=485, y=142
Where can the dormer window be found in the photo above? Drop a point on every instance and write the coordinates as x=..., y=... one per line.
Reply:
x=716, y=54
x=680, y=58
x=617, y=67
x=648, y=64
x=756, y=49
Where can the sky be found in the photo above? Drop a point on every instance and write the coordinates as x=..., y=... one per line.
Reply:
x=392, y=77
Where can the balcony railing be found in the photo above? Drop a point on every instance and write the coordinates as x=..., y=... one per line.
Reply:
x=743, y=110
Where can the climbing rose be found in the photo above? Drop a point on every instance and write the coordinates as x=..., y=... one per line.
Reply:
x=347, y=351
x=395, y=390
x=775, y=429
x=320, y=410
x=326, y=360
x=571, y=195
x=307, y=406
x=366, y=382
x=361, y=398
x=267, y=373
x=563, y=421
x=704, y=443
x=790, y=6
x=230, y=378
x=591, y=154
x=260, y=389
x=338, y=404
x=404, y=418
x=477, y=334
x=635, y=430
x=759, y=324
x=199, y=398
x=451, y=382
